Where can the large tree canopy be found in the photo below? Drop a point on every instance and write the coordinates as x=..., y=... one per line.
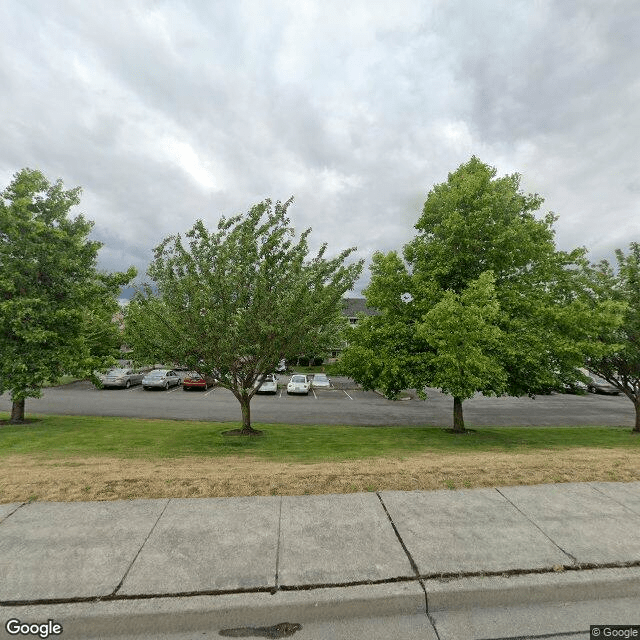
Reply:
x=621, y=365
x=483, y=301
x=233, y=302
x=56, y=309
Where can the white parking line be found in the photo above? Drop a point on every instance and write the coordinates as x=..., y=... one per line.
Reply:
x=314, y=394
x=174, y=389
x=206, y=393
x=348, y=396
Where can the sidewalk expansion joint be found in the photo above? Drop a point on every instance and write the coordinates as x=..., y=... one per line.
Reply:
x=155, y=524
x=606, y=495
x=276, y=587
x=343, y=585
x=412, y=562
x=444, y=577
x=556, y=569
x=539, y=528
x=113, y=597
x=22, y=504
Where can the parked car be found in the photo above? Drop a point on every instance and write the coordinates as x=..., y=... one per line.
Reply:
x=194, y=380
x=320, y=381
x=597, y=384
x=269, y=384
x=299, y=383
x=161, y=379
x=123, y=378
x=576, y=388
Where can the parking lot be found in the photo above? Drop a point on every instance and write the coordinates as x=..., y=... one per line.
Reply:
x=345, y=404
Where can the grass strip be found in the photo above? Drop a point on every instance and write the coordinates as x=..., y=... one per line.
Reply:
x=60, y=381
x=72, y=436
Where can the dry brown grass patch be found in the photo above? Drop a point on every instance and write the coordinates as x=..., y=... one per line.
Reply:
x=24, y=478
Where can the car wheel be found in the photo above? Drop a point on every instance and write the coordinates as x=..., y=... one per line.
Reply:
x=128, y=384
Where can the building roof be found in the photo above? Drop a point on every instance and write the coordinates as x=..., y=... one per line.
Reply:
x=353, y=306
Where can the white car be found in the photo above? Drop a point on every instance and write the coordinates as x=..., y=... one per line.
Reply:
x=299, y=383
x=269, y=384
x=161, y=379
x=320, y=381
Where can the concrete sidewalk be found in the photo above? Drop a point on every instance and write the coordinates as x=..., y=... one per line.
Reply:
x=235, y=562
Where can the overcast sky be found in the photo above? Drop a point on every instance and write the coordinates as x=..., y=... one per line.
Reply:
x=165, y=112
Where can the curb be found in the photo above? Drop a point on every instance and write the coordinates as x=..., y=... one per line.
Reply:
x=210, y=613
x=162, y=616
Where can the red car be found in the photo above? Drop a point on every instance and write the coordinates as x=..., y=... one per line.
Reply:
x=194, y=380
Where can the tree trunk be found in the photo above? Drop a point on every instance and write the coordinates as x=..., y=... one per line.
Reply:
x=636, y=404
x=246, y=415
x=17, y=412
x=458, y=419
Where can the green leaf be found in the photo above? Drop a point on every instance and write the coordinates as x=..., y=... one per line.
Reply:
x=235, y=301
x=57, y=311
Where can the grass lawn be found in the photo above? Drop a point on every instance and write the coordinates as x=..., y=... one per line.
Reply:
x=60, y=381
x=104, y=458
x=140, y=438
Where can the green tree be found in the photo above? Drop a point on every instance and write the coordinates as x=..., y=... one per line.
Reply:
x=621, y=365
x=56, y=309
x=234, y=302
x=482, y=302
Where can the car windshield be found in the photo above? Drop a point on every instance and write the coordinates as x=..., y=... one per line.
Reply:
x=298, y=379
x=320, y=376
x=157, y=374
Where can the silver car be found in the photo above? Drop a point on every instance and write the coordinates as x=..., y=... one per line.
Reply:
x=161, y=379
x=123, y=378
x=597, y=384
x=320, y=381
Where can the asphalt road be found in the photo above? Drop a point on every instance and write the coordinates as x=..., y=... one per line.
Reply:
x=332, y=406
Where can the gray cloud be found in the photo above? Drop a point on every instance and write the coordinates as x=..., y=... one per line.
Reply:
x=165, y=112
